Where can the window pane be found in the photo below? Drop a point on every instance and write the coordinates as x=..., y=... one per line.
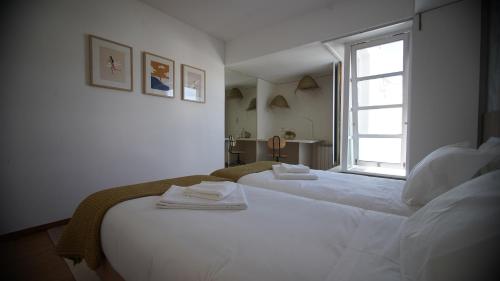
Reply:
x=380, y=59
x=382, y=91
x=380, y=149
x=380, y=121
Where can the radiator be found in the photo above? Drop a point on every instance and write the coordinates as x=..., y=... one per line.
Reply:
x=323, y=157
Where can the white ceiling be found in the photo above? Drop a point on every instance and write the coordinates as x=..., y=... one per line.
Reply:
x=337, y=45
x=312, y=59
x=227, y=19
x=289, y=65
x=423, y=5
x=240, y=80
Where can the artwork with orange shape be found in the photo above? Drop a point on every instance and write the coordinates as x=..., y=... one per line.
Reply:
x=160, y=75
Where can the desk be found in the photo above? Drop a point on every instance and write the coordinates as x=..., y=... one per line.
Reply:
x=298, y=151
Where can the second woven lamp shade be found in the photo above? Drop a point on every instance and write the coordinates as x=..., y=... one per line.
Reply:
x=306, y=83
x=279, y=101
x=235, y=93
x=252, y=105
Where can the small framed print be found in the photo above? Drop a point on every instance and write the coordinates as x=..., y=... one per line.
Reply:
x=158, y=75
x=193, y=84
x=110, y=64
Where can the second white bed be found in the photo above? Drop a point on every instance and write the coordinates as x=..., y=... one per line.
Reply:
x=370, y=193
x=279, y=237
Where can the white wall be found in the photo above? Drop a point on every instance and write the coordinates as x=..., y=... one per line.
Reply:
x=265, y=90
x=238, y=118
x=493, y=96
x=444, y=79
x=342, y=19
x=314, y=104
x=63, y=139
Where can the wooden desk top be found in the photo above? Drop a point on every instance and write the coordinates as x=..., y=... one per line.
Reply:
x=291, y=141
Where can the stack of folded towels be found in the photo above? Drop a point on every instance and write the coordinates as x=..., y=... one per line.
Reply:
x=206, y=195
x=285, y=171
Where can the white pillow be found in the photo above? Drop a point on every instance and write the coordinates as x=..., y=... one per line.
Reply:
x=492, y=145
x=456, y=236
x=441, y=170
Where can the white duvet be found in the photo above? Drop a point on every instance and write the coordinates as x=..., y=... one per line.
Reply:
x=279, y=237
x=371, y=193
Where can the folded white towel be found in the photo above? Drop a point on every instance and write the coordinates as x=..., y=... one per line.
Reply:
x=289, y=168
x=174, y=198
x=211, y=190
x=279, y=174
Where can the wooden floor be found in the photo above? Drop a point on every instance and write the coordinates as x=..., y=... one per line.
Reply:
x=32, y=257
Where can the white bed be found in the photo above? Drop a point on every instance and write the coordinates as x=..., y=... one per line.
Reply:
x=279, y=237
x=286, y=237
x=371, y=193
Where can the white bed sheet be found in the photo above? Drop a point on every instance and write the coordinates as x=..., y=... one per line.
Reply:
x=371, y=193
x=279, y=237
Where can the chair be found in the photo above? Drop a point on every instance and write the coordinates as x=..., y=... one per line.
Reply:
x=232, y=150
x=276, y=144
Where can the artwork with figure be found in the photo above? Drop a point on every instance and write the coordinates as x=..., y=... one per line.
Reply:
x=193, y=84
x=110, y=64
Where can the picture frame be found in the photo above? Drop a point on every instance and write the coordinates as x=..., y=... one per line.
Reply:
x=193, y=84
x=110, y=64
x=158, y=76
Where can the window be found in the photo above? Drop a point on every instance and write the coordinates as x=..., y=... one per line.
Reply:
x=375, y=139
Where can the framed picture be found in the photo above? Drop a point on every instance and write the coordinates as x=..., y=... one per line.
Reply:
x=110, y=64
x=158, y=75
x=193, y=84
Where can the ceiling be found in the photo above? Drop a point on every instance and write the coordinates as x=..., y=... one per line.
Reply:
x=227, y=19
x=337, y=46
x=424, y=5
x=237, y=79
x=289, y=65
x=312, y=59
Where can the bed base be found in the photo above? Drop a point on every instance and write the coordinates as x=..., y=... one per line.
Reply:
x=107, y=273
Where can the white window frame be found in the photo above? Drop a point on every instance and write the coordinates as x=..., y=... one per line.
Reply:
x=351, y=79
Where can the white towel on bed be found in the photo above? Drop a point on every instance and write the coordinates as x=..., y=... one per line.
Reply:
x=174, y=198
x=281, y=175
x=211, y=190
x=289, y=168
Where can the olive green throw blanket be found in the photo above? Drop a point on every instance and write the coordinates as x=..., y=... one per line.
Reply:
x=81, y=237
x=235, y=173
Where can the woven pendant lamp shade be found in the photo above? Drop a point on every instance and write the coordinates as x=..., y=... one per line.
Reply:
x=252, y=105
x=306, y=83
x=235, y=93
x=279, y=101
